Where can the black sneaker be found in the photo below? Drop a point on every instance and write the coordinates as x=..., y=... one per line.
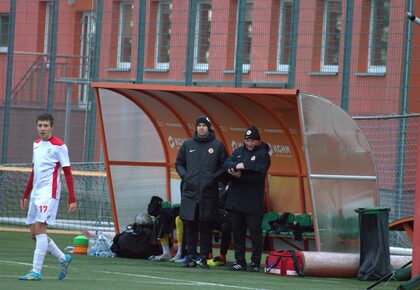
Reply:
x=203, y=263
x=190, y=262
x=253, y=268
x=238, y=267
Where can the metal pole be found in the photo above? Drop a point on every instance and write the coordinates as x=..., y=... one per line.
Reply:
x=240, y=31
x=94, y=77
x=9, y=80
x=402, y=130
x=407, y=59
x=141, y=38
x=293, y=44
x=191, y=40
x=345, y=85
x=416, y=237
x=68, y=111
x=52, y=58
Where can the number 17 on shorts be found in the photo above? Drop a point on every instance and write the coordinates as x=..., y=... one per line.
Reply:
x=42, y=210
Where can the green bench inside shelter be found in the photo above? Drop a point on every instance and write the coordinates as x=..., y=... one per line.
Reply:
x=304, y=220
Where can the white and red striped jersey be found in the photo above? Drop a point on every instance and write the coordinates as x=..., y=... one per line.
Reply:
x=48, y=159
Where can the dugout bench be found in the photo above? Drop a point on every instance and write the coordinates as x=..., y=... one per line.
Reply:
x=303, y=221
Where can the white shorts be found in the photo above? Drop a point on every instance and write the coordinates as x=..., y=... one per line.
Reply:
x=42, y=210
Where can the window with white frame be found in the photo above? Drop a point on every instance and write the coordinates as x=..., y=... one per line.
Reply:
x=247, y=38
x=48, y=27
x=125, y=39
x=284, y=37
x=378, y=36
x=331, y=31
x=163, y=35
x=4, y=32
x=202, y=35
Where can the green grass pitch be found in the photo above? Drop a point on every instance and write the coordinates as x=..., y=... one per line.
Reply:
x=85, y=272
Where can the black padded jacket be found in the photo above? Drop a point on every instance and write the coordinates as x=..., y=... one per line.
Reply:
x=197, y=162
x=246, y=193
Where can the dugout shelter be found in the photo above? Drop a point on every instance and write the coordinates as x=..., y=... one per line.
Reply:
x=321, y=162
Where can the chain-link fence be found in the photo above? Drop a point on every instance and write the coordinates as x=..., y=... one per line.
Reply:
x=359, y=54
x=394, y=145
x=362, y=55
x=90, y=185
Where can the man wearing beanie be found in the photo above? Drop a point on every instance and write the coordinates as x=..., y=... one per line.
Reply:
x=197, y=163
x=248, y=165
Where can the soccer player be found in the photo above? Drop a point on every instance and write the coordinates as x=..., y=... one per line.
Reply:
x=50, y=155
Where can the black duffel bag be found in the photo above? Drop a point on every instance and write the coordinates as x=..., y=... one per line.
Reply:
x=136, y=241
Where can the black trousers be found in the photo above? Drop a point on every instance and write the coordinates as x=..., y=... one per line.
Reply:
x=224, y=225
x=192, y=230
x=240, y=223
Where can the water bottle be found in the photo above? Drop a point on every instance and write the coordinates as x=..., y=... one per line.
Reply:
x=92, y=246
x=68, y=249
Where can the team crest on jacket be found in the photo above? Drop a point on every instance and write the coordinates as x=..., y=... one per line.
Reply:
x=211, y=150
x=253, y=158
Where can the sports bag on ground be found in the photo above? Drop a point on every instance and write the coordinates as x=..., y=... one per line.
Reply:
x=284, y=263
x=134, y=242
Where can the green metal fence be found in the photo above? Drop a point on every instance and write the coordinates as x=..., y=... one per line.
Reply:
x=361, y=54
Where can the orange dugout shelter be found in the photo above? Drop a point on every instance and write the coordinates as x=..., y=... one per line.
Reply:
x=321, y=162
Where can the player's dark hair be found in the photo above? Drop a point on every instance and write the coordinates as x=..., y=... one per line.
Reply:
x=45, y=117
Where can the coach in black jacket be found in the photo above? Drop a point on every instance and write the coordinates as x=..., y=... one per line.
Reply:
x=248, y=165
x=197, y=162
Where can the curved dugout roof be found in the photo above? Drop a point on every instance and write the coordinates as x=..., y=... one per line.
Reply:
x=143, y=127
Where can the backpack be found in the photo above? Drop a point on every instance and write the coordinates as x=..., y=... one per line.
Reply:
x=155, y=206
x=134, y=242
x=281, y=224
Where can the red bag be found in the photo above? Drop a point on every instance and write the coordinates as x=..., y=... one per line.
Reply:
x=284, y=263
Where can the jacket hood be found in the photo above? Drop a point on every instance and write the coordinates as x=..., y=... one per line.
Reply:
x=210, y=136
x=265, y=146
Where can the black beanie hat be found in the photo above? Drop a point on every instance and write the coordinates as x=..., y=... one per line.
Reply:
x=203, y=119
x=252, y=133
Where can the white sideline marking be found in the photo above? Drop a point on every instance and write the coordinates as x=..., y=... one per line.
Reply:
x=106, y=280
x=195, y=283
x=17, y=277
x=19, y=263
x=170, y=281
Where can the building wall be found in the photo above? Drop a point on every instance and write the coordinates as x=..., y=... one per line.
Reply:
x=368, y=94
x=365, y=91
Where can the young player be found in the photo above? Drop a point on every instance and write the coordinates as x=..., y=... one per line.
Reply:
x=50, y=155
